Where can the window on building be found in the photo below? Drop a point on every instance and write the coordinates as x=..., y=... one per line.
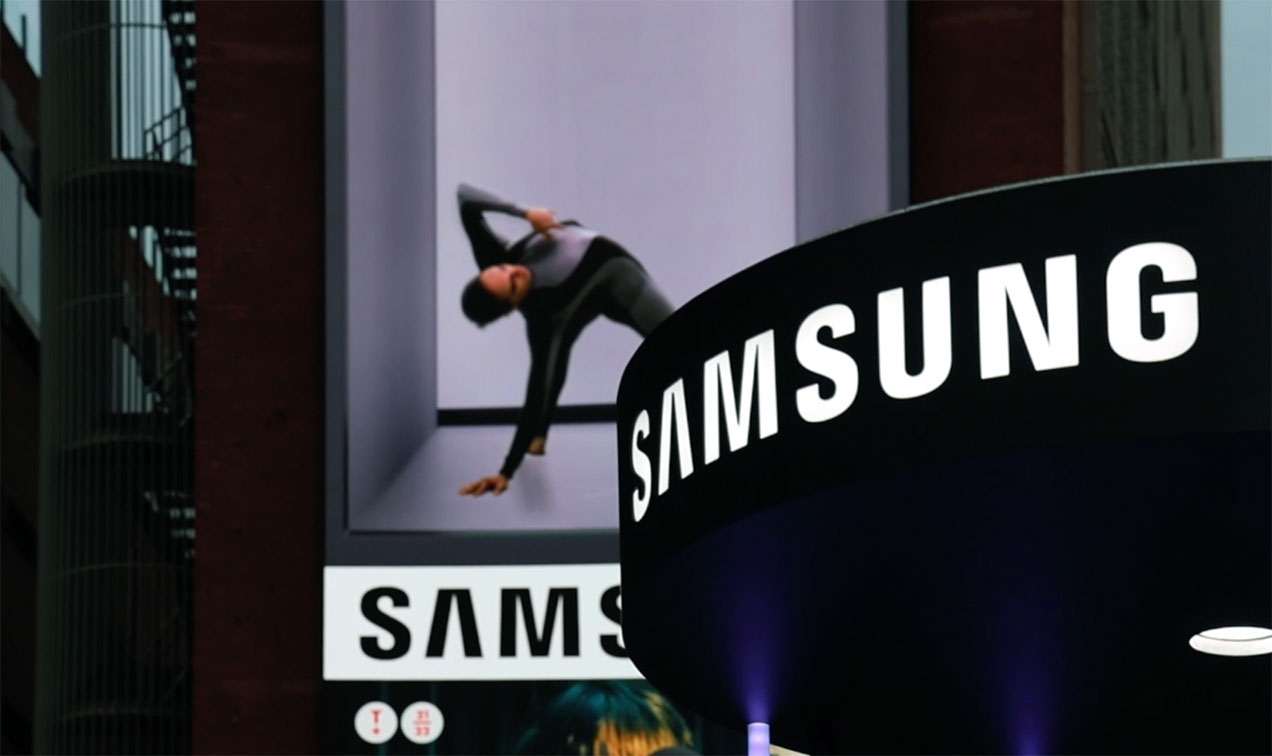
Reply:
x=29, y=252
x=19, y=242
x=23, y=19
x=10, y=208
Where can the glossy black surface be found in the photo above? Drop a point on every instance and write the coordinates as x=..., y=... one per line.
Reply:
x=1004, y=565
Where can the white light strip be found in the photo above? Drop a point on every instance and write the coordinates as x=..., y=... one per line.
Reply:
x=1233, y=641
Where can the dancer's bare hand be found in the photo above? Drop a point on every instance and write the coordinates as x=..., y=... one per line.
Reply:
x=543, y=220
x=497, y=483
x=538, y=445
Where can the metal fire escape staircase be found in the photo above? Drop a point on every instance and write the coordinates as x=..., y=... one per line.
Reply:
x=178, y=16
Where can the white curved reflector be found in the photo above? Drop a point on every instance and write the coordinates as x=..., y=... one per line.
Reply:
x=1233, y=641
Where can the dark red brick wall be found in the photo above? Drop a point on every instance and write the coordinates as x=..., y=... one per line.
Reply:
x=257, y=603
x=986, y=94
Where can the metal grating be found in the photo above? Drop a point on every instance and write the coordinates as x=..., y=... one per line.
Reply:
x=1153, y=91
x=117, y=529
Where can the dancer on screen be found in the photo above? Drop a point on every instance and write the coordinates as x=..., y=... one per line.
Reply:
x=560, y=277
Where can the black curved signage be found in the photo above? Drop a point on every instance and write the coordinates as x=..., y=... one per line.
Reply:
x=967, y=477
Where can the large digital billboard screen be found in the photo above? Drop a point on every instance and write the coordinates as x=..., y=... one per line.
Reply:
x=668, y=131
x=517, y=194
x=674, y=154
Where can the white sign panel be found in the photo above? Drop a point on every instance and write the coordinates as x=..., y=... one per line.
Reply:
x=490, y=622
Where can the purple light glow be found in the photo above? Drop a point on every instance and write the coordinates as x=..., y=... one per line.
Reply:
x=1029, y=646
x=1029, y=719
x=1029, y=745
x=755, y=649
x=757, y=739
x=757, y=707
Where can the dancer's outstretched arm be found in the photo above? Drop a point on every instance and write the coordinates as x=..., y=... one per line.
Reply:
x=549, y=357
x=489, y=248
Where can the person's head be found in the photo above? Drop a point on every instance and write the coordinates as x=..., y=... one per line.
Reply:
x=494, y=292
x=606, y=718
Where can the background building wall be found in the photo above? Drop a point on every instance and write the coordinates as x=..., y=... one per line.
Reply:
x=987, y=95
x=1150, y=83
x=1003, y=92
x=19, y=389
x=19, y=517
x=259, y=454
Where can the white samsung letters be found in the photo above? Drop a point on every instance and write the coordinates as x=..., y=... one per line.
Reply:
x=999, y=289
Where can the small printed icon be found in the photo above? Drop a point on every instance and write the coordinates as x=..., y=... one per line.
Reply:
x=375, y=722
x=422, y=722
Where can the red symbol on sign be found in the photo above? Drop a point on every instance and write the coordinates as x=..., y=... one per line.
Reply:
x=426, y=722
x=375, y=722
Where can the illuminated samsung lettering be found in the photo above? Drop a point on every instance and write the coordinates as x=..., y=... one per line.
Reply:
x=1051, y=347
x=758, y=385
x=827, y=362
x=758, y=377
x=1179, y=310
x=937, y=351
x=1003, y=295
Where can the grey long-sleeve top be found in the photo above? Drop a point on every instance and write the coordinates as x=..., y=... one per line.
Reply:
x=556, y=308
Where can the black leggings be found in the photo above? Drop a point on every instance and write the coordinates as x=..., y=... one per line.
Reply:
x=630, y=295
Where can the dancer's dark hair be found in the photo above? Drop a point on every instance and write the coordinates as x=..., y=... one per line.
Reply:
x=480, y=305
x=607, y=717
